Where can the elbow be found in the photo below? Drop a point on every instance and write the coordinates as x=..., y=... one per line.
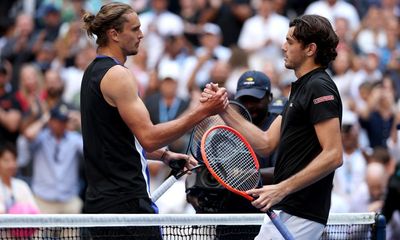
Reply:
x=338, y=159
x=149, y=146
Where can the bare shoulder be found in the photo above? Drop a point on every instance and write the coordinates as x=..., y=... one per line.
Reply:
x=118, y=82
x=118, y=75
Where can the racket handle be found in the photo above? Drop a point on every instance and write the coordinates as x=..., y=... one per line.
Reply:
x=163, y=188
x=279, y=225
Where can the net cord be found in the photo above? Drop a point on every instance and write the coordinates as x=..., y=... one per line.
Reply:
x=110, y=220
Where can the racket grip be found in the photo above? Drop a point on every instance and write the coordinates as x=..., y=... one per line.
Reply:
x=163, y=188
x=279, y=225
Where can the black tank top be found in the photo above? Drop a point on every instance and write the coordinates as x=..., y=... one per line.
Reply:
x=114, y=160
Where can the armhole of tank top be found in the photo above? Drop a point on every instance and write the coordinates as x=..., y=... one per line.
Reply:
x=105, y=73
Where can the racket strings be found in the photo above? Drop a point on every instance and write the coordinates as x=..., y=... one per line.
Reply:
x=199, y=131
x=231, y=160
x=212, y=121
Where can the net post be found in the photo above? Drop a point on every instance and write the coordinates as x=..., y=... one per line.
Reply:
x=380, y=227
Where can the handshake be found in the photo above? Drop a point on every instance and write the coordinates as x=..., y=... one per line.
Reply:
x=213, y=100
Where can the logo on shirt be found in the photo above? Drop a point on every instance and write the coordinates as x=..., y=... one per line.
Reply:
x=323, y=99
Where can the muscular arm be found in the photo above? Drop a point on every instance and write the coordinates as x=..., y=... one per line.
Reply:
x=120, y=90
x=328, y=160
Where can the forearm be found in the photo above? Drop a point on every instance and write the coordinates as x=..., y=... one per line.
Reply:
x=160, y=135
x=158, y=154
x=257, y=138
x=33, y=129
x=324, y=164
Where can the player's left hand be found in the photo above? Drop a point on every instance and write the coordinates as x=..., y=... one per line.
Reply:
x=267, y=196
x=190, y=161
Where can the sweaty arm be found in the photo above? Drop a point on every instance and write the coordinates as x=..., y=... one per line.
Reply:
x=330, y=158
x=119, y=89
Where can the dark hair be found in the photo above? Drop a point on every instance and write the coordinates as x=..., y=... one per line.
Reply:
x=110, y=16
x=316, y=29
x=380, y=154
x=7, y=146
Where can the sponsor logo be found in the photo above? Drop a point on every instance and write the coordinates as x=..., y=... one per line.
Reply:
x=323, y=99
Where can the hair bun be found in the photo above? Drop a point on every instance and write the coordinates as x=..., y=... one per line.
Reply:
x=88, y=17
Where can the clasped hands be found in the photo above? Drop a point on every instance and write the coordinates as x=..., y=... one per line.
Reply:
x=216, y=96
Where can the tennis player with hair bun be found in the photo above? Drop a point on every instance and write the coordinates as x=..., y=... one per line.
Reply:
x=306, y=135
x=116, y=127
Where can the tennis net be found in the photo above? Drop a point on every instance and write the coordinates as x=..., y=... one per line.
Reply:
x=173, y=226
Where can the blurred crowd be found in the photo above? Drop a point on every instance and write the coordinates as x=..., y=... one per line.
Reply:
x=188, y=43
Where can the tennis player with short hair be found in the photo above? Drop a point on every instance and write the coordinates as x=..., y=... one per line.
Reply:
x=116, y=127
x=306, y=136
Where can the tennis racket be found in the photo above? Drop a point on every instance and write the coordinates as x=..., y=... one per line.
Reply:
x=233, y=163
x=194, y=147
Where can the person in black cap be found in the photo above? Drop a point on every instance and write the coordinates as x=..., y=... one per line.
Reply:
x=254, y=92
x=51, y=146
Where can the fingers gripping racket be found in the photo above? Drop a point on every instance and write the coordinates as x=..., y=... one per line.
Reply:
x=233, y=163
x=194, y=148
x=177, y=172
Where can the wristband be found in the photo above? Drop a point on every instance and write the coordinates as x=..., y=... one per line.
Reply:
x=162, y=158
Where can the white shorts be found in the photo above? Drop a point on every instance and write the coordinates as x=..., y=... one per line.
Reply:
x=300, y=228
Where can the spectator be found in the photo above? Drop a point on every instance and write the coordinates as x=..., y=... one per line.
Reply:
x=138, y=65
x=49, y=19
x=14, y=193
x=57, y=152
x=263, y=35
x=343, y=76
x=391, y=7
x=239, y=62
x=28, y=94
x=165, y=105
x=229, y=16
x=72, y=75
x=19, y=48
x=382, y=155
x=71, y=41
x=219, y=74
x=344, y=33
x=377, y=118
x=6, y=32
x=156, y=24
x=370, y=195
x=371, y=34
x=10, y=109
x=332, y=9
x=177, y=52
x=207, y=55
x=53, y=89
x=45, y=56
x=369, y=72
x=392, y=48
x=351, y=175
x=191, y=12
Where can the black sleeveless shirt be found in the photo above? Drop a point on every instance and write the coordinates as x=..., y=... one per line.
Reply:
x=115, y=166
